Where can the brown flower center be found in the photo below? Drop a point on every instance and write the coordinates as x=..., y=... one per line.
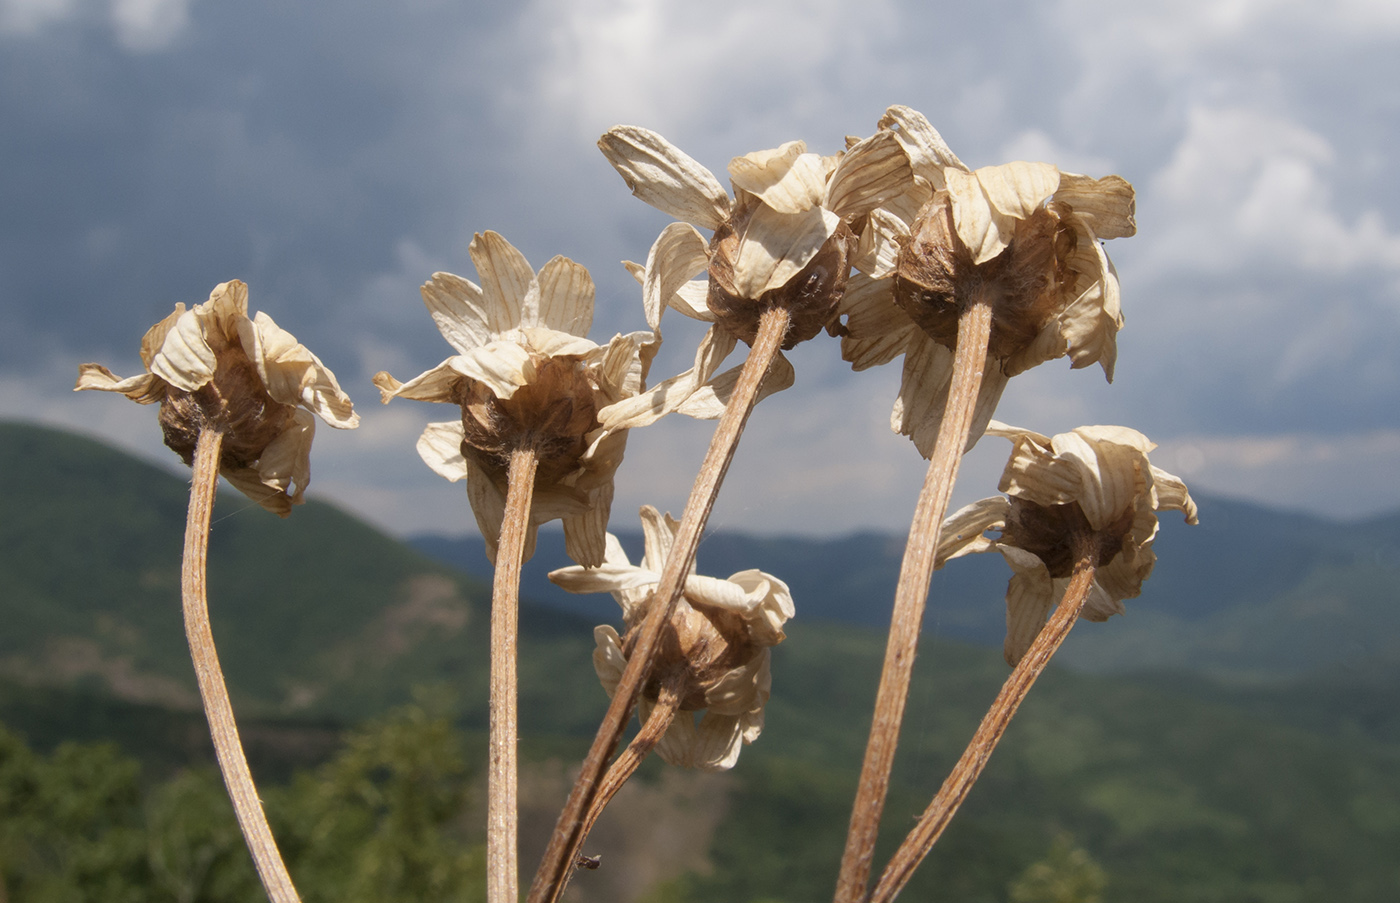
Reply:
x=234, y=401
x=552, y=414
x=936, y=278
x=696, y=649
x=810, y=297
x=1053, y=532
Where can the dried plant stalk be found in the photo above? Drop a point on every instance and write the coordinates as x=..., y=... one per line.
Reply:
x=549, y=880
x=624, y=766
x=502, y=779
x=974, y=332
x=212, y=690
x=969, y=767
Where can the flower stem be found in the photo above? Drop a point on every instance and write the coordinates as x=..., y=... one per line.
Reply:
x=974, y=332
x=772, y=328
x=217, y=708
x=625, y=765
x=955, y=789
x=502, y=789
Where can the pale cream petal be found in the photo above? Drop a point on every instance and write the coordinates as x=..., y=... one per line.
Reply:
x=928, y=152
x=1018, y=189
x=717, y=742
x=709, y=401
x=603, y=578
x=608, y=660
x=928, y=368
x=1033, y=473
x=621, y=372
x=1090, y=322
x=437, y=384
x=870, y=173
x=775, y=605
x=185, y=359
x=458, y=307
x=877, y=329
x=248, y=481
x=1110, y=462
x=984, y=231
x=786, y=178
x=877, y=253
x=489, y=508
x=566, y=296
x=505, y=277
x=721, y=594
x=675, y=257
x=144, y=389
x=1030, y=595
x=1106, y=204
x=1101, y=604
x=715, y=346
x=776, y=246
x=1050, y=343
x=736, y=692
x=293, y=375
x=502, y=367
x=286, y=461
x=961, y=533
x=658, y=535
x=663, y=176
x=677, y=746
x=994, y=383
x=552, y=343
x=155, y=336
x=690, y=300
x=1006, y=431
x=650, y=406
x=1172, y=494
x=226, y=307
x=440, y=447
x=585, y=534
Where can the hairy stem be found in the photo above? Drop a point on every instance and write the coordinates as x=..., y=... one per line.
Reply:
x=955, y=789
x=974, y=332
x=502, y=789
x=772, y=328
x=212, y=690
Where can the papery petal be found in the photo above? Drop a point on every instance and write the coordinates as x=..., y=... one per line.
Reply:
x=985, y=232
x=293, y=375
x=961, y=533
x=1117, y=580
x=877, y=330
x=658, y=535
x=664, y=177
x=870, y=173
x=928, y=152
x=185, y=359
x=501, y=366
x=736, y=693
x=608, y=660
x=669, y=395
x=1100, y=604
x=144, y=389
x=1172, y=494
x=787, y=179
x=565, y=298
x=1030, y=595
x=677, y=746
x=717, y=742
x=1110, y=462
x=1106, y=204
x=603, y=578
x=553, y=343
x=155, y=336
x=585, y=533
x=249, y=481
x=440, y=447
x=506, y=277
x=877, y=253
x=776, y=246
x=458, y=307
x=286, y=461
x=1092, y=318
x=677, y=255
x=489, y=508
x=709, y=401
x=1018, y=189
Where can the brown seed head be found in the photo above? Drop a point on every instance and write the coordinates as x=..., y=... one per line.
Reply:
x=1051, y=532
x=936, y=277
x=697, y=648
x=810, y=297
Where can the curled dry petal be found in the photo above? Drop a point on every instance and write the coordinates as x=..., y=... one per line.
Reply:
x=1096, y=481
x=662, y=175
x=211, y=367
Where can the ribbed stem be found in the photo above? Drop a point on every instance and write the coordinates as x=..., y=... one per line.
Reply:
x=773, y=325
x=212, y=690
x=955, y=789
x=974, y=332
x=502, y=778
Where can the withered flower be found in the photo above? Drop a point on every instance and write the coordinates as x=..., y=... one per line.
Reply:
x=1022, y=237
x=786, y=238
x=716, y=646
x=213, y=368
x=525, y=376
x=1094, y=482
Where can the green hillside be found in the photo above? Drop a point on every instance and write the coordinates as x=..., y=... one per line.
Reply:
x=1179, y=789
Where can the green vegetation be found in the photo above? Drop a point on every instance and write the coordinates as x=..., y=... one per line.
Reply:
x=1166, y=787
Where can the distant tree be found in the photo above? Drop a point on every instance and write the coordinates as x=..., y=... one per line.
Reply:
x=1066, y=875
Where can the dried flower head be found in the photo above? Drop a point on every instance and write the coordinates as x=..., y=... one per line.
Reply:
x=786, y=238
x=213, y=368
x=1094, y=484
x=715, y=648
x=1022, y=237
x=525, y=376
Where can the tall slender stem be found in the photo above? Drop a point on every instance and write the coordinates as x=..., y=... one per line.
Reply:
x=625, y=765
x=772, y=328
x=969, y=767
x=974, y=332
x=217, y=708
x=502, y=789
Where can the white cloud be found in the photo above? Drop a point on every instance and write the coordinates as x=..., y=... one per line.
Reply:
x=1245, y=186
x=27, y=17
x=140, y=26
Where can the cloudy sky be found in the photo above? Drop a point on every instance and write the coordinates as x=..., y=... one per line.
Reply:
x=334, y=155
